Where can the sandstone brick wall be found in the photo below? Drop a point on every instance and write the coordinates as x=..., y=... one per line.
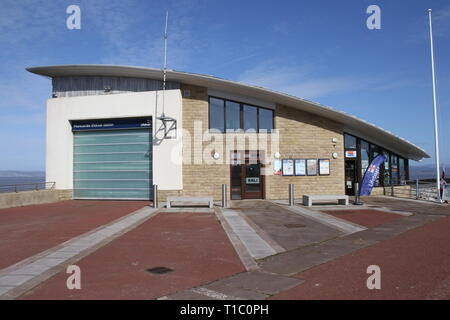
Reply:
x=302, y=135
x=65, y=194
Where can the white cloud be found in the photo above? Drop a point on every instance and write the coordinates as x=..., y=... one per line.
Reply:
x=297, y=81
x=134, y=36
x=305, y=81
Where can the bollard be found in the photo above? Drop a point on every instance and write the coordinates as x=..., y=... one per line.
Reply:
x=392, y=191
x=224, y=196
x=358, y=201
x=291, y=195
x=155, y=196
x=417, y=189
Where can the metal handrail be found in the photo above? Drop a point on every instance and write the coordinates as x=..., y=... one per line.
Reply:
x=35, y=184
x=415, y=189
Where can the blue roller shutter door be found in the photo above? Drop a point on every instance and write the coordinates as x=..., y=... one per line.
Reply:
x=113, y=164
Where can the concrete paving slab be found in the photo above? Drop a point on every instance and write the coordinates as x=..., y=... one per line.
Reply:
x=261, y=282
x=331, y=221
x=14, y=280
x=287, y=229
x=31, y=269
x=186, y=295
x=256, y=246
x=214, y=294
x=245, y=257
x=5, y=289
x=368, y=218
x=233, y=291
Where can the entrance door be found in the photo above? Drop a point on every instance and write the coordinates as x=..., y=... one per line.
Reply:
x=246, y=179
x=350, y=177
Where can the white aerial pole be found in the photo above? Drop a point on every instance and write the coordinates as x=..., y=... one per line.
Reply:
x=436, y=135
x=165, y=61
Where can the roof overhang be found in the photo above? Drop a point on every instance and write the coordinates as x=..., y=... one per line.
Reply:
x=350, y=123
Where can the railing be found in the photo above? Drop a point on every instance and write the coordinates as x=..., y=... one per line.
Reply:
x=27, y=186
x=413, y=189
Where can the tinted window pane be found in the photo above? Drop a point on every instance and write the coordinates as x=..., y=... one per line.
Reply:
x=250, y=118
x=375, y=151
x=387, y=173
x=233, y=115
x=265, y=119
x=216, y=114
x=402, y=171
x=349, y=141
x=364, y=156
x=394, y=169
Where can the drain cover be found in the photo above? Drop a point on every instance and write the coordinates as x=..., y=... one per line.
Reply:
x=294, y=225
x=159, y=270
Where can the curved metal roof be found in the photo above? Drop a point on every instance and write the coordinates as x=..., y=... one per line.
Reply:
x=351, y=124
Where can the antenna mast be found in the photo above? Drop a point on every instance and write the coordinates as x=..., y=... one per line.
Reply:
x=165, y=61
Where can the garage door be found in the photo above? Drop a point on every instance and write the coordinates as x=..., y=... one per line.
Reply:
x=112, y=159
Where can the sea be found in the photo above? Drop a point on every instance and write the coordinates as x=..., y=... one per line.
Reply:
x=6, y=182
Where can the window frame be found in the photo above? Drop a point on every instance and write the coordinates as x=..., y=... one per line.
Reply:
x=381, y=150
x=241, y=116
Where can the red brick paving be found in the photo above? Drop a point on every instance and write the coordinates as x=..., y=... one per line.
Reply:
x=367, y=218
x=414, y=265
x=194, y=245
x=26, y=231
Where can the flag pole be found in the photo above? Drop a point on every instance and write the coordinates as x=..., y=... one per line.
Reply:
x=436, y=135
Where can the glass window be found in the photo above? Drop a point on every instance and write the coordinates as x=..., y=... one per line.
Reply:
x=387, y=172
x=225, y=115
x=374, y=152
x=250, y=118
x=364, y=156
x=402, y=171
x=233, y=114
x=216, y=114
x=265, y=119
x=349, y=141
x=394, y=170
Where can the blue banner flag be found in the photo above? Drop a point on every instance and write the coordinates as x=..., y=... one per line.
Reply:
x=371, y=175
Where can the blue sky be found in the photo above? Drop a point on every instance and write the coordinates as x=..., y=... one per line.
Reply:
x=320, y=50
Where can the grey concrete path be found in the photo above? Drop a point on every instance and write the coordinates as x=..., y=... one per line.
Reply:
x=24, y=275
x=254, y=285
x=256, y=246
x=339, y=224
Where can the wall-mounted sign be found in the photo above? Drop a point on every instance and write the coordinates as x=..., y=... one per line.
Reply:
x=300, y=167
x=109, y=124
x=288, y=167
x=277, y=167
x=324, y=167
x=252, y=180
x=311, y=167
x=351, y=154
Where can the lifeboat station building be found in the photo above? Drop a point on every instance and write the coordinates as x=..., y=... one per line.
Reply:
x=113, y=132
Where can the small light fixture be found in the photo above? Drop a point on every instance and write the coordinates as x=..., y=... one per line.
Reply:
x=216, y=155
x=335, y=155
x=277, y=155
x=334, y=140
x=169, y=124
